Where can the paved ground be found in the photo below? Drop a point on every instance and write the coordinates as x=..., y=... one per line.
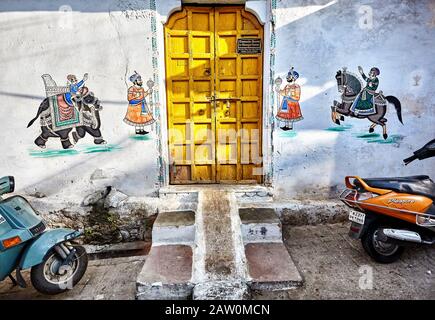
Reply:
x=328, y=260
x=111, y=279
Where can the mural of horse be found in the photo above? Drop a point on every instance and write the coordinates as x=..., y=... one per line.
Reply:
x=349, y=85
x=86, y=105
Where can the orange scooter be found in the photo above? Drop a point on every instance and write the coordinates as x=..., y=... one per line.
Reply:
x=388, y=214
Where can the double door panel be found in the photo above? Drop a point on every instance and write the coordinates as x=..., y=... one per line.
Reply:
x=214, y=96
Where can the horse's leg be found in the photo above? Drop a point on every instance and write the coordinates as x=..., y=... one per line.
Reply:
x=43, y=137
x=378, y=118
x=334, y=114
x=384, y=129
x=372, y=127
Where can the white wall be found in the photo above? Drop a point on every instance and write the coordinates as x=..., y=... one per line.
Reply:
x=107, y=39
x=320, y=37
x=110, y=39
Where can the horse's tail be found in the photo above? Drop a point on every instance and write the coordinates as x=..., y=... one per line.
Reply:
x=397, y=105
x=43, y=106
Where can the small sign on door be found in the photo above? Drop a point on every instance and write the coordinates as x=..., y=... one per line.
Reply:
x=249, y=45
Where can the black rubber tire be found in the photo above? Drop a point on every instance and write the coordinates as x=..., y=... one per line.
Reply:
x=369, y=247
x=41, y=284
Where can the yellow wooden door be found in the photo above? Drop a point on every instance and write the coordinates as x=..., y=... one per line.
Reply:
x=214, y=96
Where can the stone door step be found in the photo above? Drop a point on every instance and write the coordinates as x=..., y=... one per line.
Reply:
x=271, y=268
x=260, y=225
x=243, y=193
x=174, y=227
x=221, y=290
x=166, y=274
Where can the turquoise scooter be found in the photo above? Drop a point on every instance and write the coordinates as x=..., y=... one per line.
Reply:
x=25, y=242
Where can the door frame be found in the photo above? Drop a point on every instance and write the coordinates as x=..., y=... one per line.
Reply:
x=261, y=9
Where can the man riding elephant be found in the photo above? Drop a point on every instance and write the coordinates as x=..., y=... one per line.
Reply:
x=68, y=112
x=364, y=103
x=74, y=87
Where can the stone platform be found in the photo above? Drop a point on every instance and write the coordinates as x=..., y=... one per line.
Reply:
x=219, y=251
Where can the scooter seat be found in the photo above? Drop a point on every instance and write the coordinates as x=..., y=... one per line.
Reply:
x=419, y=185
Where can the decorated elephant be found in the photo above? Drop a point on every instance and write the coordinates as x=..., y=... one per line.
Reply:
x=61, y=120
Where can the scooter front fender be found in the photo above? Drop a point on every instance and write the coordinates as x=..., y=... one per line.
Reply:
x=35, y=252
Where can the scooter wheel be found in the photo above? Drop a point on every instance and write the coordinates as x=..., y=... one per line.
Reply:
x=380, y=251
x=47, y=279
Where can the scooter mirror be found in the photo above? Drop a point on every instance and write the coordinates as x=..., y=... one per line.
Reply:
x=427, y=151
x=7, y=184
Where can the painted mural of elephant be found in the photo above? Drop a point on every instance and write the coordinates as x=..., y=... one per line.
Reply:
x=88, y=105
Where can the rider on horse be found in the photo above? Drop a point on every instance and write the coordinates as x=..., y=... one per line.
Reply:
x=364, y=103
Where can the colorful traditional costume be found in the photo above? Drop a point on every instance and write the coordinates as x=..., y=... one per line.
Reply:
x=73, y=89
x=364, y=103
x=138, y=113
x=290, y=110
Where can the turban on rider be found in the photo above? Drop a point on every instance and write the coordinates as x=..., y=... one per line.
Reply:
x=376, y=71
x=71, y=78
x=293, y=74
x=135, y=77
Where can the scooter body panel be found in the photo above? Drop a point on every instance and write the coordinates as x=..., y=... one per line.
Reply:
x=35, y=252
x=398, y=205
x=9, y=259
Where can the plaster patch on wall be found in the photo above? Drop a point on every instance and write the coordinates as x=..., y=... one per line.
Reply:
x=416, y=105
x=134, y=9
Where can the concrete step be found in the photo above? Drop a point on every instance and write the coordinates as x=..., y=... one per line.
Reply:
x=166, y=274
x=176, y=227
x=243, y=193
x=260, y=225
x=271, y=268
x=221, y=290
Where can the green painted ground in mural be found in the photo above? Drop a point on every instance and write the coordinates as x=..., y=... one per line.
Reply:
x=86, y=149
x=367, y=135
x=99, y=148
x=140, y=137
x=340, y=128
x=377, y=138
x=50, y=153
x=288, y=134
